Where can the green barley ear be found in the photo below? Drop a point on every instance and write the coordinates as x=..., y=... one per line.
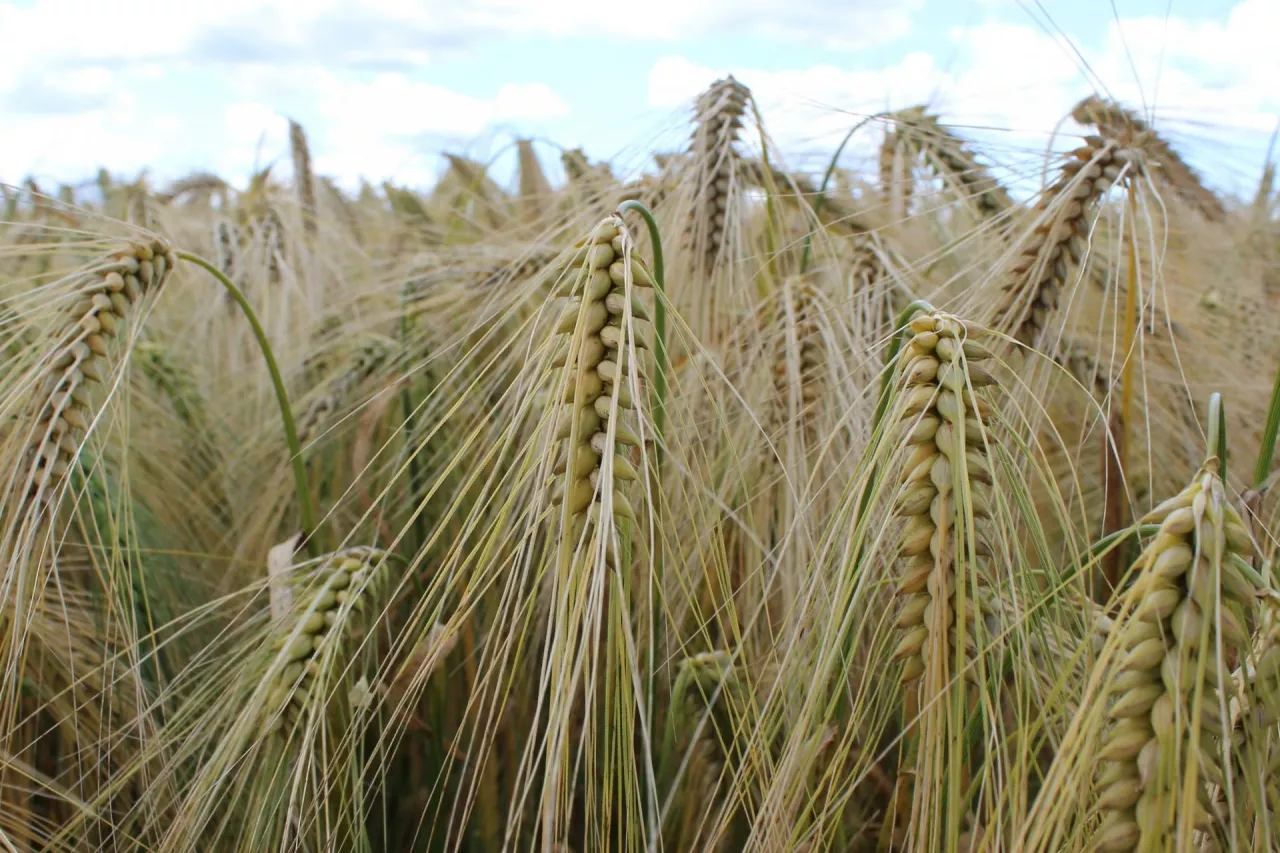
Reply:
x=104, y=296
x=598, y=350
x=598, y=387
x=1162, y=753
x=1257, y=752
x=226, y=249
x=1056, y=242
x=309, y=648
x=369, y=357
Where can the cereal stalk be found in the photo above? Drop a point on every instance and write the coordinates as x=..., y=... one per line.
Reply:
x=303, y=490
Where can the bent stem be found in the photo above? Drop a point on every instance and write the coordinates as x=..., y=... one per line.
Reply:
x=659, y=429
x=1218, y=433
x=822, y=190
x=305, y=512
x=659, y=327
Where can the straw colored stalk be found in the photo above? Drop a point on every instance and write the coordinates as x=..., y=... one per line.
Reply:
x=1056, y=243
x=1117, y=122
x=1162, y=752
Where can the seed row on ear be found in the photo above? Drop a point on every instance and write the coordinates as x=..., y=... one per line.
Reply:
x=942, y=422
x=98, y=312
x=803, y=309
x=349, y=581
x=1189, y=597
x=1058, y=241
x=719, y=118
x=595, y=334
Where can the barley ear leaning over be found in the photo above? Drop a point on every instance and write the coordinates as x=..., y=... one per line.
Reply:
x=310, y=646
x=945, y=499
x=948, y=157
x=63, y=407
x=1161, y=772
x=1057, y=240
x=1116, y=122
x=598, y=350
x=714, y=156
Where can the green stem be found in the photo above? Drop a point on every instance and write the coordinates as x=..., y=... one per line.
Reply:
x=659, y=429
x=1269, y=432
x=1218, y=432
x=305, y=511
x=822, y=190
x=659, y=326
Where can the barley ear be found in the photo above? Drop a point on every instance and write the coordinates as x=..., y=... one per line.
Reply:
x=1161, y=761
x=1056, y=242
x=304, y=180
x=63, y=409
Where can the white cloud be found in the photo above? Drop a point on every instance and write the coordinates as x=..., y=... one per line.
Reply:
x=388, y=126
x=396, y=33
x=1012, y=83
x=82, y=93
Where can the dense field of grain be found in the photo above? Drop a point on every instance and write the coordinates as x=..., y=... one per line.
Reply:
x=722, y=507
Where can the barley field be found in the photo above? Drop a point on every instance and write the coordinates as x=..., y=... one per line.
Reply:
x=716, y=506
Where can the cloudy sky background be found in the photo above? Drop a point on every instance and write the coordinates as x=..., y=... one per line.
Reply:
x=383, y=86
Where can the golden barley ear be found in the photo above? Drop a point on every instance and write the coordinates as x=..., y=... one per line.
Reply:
x=918, y=133
x=1184, y=624
x=714, y=158
x=1056, y=242
x=1117, y=122
x=946, y=500
x=303, y=179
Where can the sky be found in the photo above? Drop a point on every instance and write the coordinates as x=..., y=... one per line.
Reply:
x=383, y=87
